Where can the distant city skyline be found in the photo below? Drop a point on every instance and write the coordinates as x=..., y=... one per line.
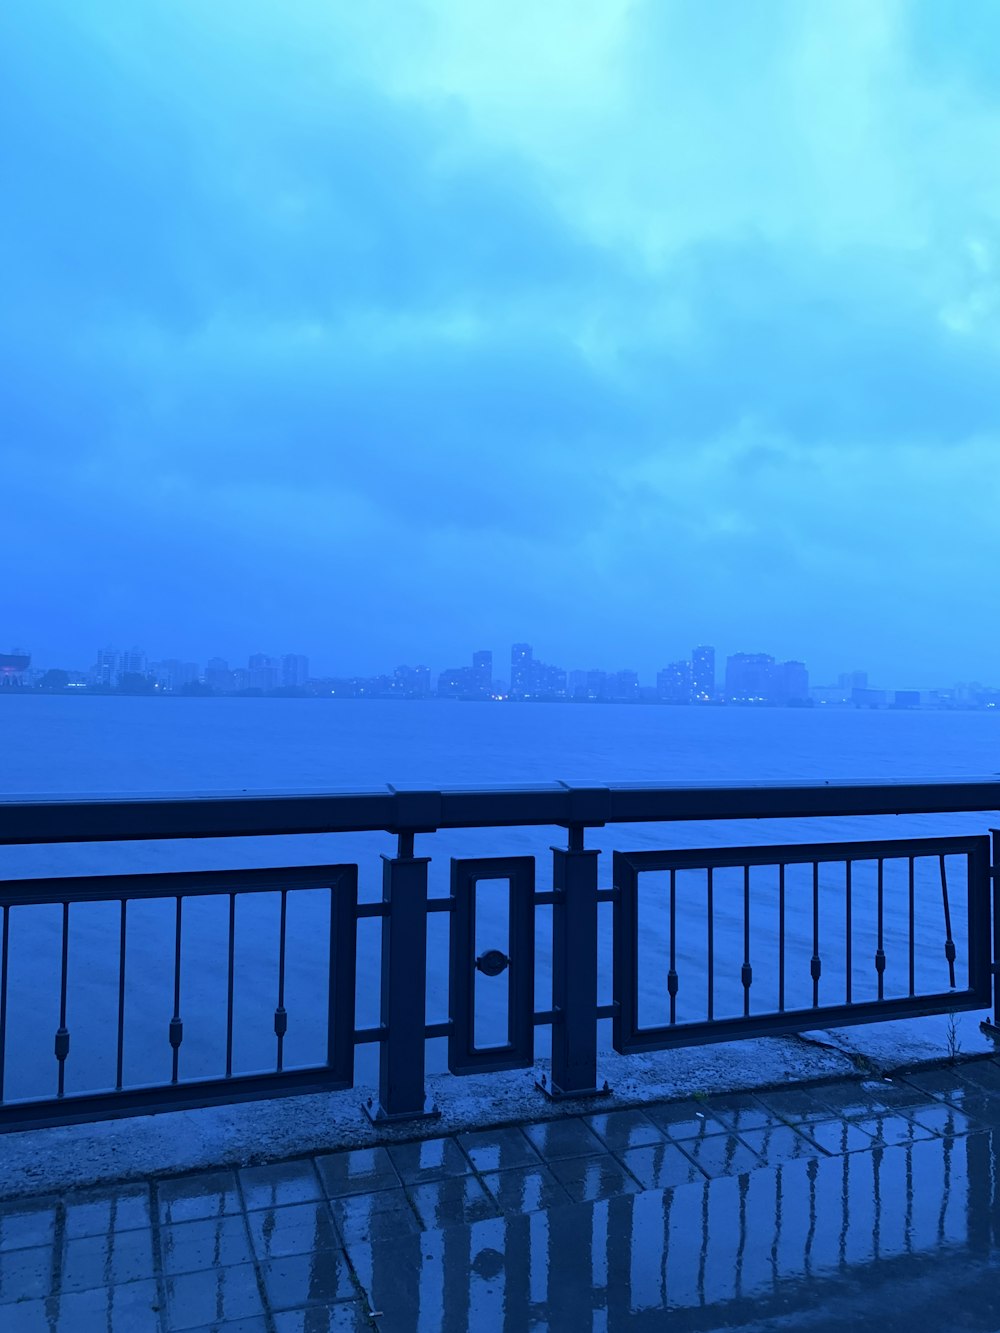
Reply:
x=703, y=676
x=341, y=661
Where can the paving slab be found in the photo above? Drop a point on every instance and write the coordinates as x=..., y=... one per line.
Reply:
x=299, y=1228
x=525, y=1189
x=861, y=1204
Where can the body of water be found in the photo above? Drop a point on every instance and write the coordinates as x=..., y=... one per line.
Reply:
x=101, y=745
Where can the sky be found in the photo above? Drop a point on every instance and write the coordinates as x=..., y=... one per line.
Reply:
x=385, y=332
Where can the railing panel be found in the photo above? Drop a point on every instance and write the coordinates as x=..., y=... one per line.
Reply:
x=91, y=924
x=467, y=965
x=769, y=976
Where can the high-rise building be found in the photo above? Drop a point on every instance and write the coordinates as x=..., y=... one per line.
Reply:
x=112, y=666
x=750, y=678
x=482, y=672
x=107, y=669
x=597, y=685
x=521, y=663
x=172, y=675
x=703, y=674
x=792, y=680
x=264, y=672
x=455, y=683
x=294, y=670
x=133, y=662
x=218, y=677
x=411, y=682
x=623, y=686
x=577, y=685
x=471, y=682
x=549, y=682
x=674, y=683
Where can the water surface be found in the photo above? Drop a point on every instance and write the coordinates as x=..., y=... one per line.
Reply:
x=92, y=745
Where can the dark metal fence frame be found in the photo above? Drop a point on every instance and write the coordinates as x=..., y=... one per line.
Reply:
x=631, y=1038
x=337, y=1071
x=575, y=897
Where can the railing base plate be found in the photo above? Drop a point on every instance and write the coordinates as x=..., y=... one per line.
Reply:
x=378, y=1116
x=556, y=1094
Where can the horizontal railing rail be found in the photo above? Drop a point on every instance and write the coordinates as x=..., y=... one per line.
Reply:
x=707, y=945
x=243, y=814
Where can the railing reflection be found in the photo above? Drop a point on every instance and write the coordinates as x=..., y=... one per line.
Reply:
x=724, y=1252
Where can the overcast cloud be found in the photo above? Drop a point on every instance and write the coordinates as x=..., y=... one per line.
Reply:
x=388, y=331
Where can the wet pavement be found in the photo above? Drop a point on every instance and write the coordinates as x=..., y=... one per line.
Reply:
x=857, y=1205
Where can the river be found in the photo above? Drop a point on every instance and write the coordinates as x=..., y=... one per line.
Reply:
x=101, y=745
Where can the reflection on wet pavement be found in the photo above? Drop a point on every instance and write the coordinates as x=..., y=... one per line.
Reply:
x=853, y=1205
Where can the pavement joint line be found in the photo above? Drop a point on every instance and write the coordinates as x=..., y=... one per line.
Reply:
x=158, y=1270
x=256, y=1261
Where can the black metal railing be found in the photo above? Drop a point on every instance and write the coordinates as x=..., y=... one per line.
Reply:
x=934, y=854
x=707, y=945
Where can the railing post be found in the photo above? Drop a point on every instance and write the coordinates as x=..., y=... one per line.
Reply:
x=992, y=1026
x=404, y=986
x=995, y=903
x=574, y=970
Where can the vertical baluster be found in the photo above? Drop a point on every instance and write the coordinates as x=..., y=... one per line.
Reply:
x=120, y=1062
x=176, y=1026
x=879, y=951
x=781, y=938
x=62, y=1035
x=280, y=1015
x=5, y=946
x=711, y=943
x=911, y=937
x=849, y=930
x=230, y=976
x=746, y=974
x=949, y=943
x=815, y=967
x=672, y=973
x=332, y=980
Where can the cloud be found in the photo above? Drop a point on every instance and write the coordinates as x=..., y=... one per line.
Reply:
x=627, y=322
